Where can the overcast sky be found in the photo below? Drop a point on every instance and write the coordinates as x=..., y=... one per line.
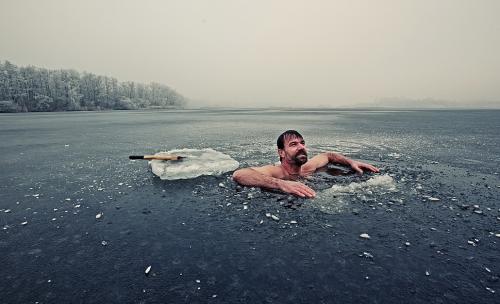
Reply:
x=269, y=53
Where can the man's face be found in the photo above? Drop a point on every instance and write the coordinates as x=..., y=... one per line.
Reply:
x=294, y=150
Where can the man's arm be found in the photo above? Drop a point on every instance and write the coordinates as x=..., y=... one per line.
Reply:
x=337, y=158
x=263, y=177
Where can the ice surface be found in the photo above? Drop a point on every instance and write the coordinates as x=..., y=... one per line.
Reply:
x=197, y=162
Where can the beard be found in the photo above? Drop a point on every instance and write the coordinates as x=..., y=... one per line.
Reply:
x=300, y=158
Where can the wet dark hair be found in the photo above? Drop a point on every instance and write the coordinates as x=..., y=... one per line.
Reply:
x=288, y=133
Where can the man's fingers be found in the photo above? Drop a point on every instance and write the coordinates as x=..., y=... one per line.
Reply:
x=304, y=191
x=371, y=168
x=298, y=192
x=308, y=191
x=301, y=193
x=299, y=189
x=357, y=169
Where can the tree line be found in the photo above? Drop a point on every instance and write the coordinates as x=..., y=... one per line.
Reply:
x=33, y=89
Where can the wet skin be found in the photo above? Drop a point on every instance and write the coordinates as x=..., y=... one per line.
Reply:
x=294, y=165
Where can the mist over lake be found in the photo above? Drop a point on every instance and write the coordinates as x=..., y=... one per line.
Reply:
x=81, y=222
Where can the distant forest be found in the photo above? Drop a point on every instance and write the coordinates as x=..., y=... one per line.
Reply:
x=32, y=89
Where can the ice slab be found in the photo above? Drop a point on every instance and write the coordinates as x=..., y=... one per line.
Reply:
x=379, y=183
x=197, y=162
x=337, y=198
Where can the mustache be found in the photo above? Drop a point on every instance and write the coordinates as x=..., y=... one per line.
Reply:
x=301, y=152
x=300, y=157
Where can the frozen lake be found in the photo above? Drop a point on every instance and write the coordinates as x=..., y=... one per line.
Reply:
x=432, y=214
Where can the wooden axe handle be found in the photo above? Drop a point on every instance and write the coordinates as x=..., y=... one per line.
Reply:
x=158, y=157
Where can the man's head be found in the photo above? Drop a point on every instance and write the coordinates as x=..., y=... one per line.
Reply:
x=292, y=147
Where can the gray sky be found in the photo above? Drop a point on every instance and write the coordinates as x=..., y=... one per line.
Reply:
x=269, y=53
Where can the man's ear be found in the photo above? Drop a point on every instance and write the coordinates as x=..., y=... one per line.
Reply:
x=281, y=153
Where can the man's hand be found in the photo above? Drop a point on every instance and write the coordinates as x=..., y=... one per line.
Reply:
x=359, y=166
x=296, y=188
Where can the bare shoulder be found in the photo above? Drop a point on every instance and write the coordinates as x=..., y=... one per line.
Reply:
x=270, y=170
x=314, y=163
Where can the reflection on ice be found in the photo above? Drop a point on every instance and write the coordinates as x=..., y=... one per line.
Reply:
x=197, y=162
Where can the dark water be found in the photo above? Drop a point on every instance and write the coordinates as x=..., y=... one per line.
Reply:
x=59, y=170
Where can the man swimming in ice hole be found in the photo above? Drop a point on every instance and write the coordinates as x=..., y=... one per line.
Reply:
x=294, y=164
